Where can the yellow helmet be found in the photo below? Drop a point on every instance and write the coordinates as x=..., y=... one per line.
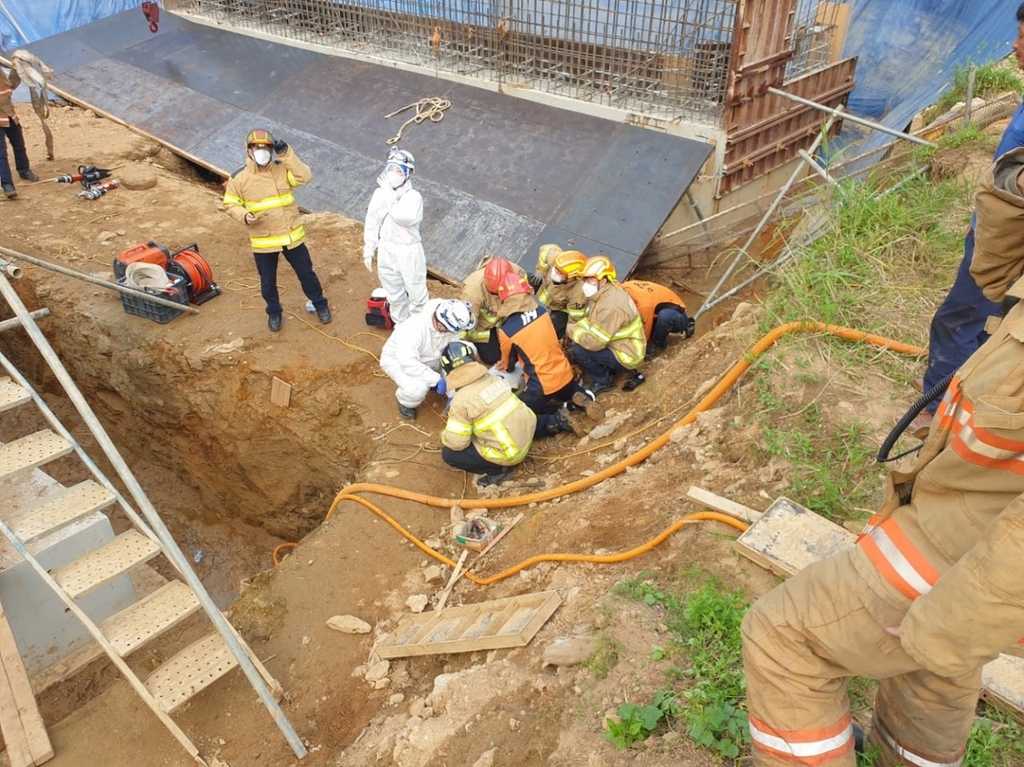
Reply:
x=569, y=262
x=600, y=267
x=259, y=137
x=546, y=257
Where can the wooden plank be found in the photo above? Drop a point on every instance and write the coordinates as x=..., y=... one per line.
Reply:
x=280, y=392
x=788, y=537
x=456, y=574
x=1003, y=682
x=723, y=505
x=17, y=691
x=467, y=628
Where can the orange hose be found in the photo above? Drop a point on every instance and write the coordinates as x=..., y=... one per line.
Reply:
x=732, y=375
x=278, y=548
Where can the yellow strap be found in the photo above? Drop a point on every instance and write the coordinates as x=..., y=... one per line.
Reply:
x=268, y=203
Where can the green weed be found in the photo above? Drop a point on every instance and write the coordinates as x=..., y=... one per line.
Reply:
x=996, y=741
x=605, y=657
x=989, y=80
x=635, y=723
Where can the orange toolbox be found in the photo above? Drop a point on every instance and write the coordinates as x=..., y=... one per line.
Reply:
x=149, y=253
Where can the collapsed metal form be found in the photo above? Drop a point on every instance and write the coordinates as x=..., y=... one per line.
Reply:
x=663, y=62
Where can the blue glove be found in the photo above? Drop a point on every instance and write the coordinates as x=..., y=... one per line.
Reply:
x=442, y=386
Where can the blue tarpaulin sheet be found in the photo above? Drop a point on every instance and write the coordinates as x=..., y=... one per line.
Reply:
x=25, y=21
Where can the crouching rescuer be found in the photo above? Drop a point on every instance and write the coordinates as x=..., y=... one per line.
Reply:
x=261, y=196
x=489, y=429
x=931, y=591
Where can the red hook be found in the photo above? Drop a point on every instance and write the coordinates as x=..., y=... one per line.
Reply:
x=151, y=11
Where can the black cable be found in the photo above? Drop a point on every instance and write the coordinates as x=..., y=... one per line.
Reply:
x=901, y=425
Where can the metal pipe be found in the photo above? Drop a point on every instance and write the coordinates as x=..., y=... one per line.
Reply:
x=847, y=116
x=815, y=167
x=11, y=270
x=97, y=281
x=15, y=322
x=170, y=547
x=797, y=172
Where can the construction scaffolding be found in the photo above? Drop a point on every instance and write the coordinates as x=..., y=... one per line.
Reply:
x=670, y=59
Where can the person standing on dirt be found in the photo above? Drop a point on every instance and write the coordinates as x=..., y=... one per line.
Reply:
x=958, y=326
x=663, y=311
x=392, y=231
x=411, y=356
x=610, y=339
x=930, y=593
x=260, y=196
x=527, y=338
x=10, y=130
x=489, y=430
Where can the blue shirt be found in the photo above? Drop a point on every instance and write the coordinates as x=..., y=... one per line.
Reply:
x=1013, y=136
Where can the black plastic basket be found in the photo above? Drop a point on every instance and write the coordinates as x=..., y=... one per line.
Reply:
x=140, y=307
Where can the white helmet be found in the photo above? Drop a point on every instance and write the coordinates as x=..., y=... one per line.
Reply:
x=455, y=315
x=403, y=158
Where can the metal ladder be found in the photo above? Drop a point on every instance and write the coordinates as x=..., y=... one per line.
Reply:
x=196, y=666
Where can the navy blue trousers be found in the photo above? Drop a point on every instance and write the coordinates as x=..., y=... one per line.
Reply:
x=601, y=366
x=667, y=319
x=301, y=263
x=470, y=460
x=958, y=327
x=16, y=136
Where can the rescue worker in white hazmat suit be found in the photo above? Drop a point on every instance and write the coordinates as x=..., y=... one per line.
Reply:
x=930, y=592
x=412, y=355
x=392, y=230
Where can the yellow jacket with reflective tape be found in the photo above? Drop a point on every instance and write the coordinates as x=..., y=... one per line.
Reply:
x=483, y=304
x=563, y=297
x=486, y=414
x=269, y=195
x=7, y=85
x=612, y=321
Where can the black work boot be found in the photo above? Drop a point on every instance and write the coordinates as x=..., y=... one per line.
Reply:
x=274, y=322
x=324, y=314
x=10, y=191
x=408, y=413
x=496, y=477
x=28, y=175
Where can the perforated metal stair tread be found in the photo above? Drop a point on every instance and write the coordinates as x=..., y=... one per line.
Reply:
x=103, y=564
x=31, y=451
x=12, y=395
x=193, y=669
x=60, y=508
x=131, y=628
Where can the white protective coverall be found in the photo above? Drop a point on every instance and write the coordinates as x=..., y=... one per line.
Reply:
x=412, y=355
x=392, y=229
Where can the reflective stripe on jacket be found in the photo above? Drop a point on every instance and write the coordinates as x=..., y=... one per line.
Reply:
x=612, y=321
x=564, y=297
x=7, y=85
x=486, y=414
x=531, y=338
x=268, y=194
x=483, y=304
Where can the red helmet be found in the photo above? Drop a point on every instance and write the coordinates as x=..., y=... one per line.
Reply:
x=495, y=270
x=513, y=284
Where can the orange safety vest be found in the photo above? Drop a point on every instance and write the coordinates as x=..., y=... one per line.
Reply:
x=648, y=296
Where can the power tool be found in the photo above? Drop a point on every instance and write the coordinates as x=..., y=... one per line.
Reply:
x=95, y=191
x=87, y=175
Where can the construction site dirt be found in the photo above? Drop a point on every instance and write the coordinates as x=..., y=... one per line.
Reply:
x=236, y=475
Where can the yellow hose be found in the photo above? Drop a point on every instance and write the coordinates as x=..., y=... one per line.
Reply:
x=732, y=375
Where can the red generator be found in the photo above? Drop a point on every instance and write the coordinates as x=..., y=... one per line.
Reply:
x=150, y=253
x=188, y=263
x=378, y=310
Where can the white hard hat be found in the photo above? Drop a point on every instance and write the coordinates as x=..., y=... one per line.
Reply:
x=455, y=315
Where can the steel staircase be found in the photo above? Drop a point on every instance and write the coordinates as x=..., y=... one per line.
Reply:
x=194, y=667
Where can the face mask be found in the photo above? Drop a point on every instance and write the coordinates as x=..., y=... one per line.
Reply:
x=396, y=175
x=261, y=156
x=556, y=276
x=589, y=290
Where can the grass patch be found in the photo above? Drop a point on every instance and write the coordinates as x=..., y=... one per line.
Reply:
x=997, y=740
x=989, y=80
x=605, y=657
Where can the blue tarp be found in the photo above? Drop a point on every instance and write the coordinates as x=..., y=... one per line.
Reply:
x=25, y=21
x=908, y=50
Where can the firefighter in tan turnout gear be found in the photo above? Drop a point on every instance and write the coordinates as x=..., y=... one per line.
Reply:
x=489, y=429
x=610, y=339
x=931, y=591
x=480, y=291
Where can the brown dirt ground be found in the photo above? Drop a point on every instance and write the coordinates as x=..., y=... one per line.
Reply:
x=188, y=403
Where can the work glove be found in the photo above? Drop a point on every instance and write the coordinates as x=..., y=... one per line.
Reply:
x=368, y=257
x=442, y=386
x=280, y=146
x=384, y=182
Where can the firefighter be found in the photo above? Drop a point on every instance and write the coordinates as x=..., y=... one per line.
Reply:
x=412, y=354
x=559, y=291
x=10, y=130
x=260, y=195
x=610, y=339
x=480, y=291
x=663, y=311
x=392, y=231
x=489, y=430
x=930, y=593
x=527, y=337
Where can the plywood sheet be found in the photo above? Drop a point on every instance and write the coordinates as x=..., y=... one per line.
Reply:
x=788, y=537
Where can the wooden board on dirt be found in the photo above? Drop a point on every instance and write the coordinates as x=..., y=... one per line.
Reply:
x=789, y=537
x=22, y=725
x=501, y=623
